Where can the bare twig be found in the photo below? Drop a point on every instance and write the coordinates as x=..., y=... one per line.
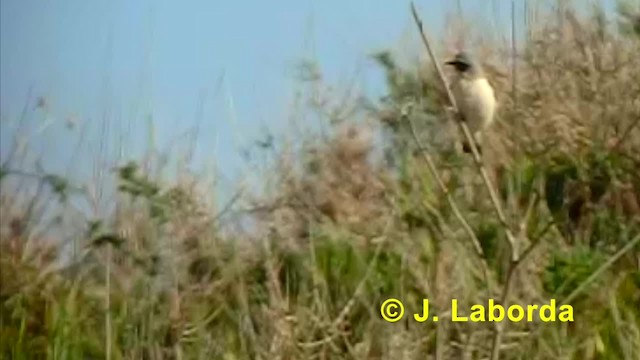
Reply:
x=511, y=238
x=227, y=207
x=514, y=74
x=431, y=165
x=456, y=211
x=465, y=130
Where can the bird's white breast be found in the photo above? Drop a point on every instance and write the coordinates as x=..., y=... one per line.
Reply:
x=476, y=102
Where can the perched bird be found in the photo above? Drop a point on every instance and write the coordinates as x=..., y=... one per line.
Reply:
x=474, y=97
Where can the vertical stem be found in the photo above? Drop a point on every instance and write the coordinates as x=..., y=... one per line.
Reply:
x=513, y=54
x=107, y=313
x=504, y=301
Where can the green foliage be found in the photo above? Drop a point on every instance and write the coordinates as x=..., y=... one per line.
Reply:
x=558, y=177
x=629, y=17
x=341, y=267
x=59, y=185
x=568, y=270
x=489, y=235
x=160, y=203
x=3, y=172
x=294, y=275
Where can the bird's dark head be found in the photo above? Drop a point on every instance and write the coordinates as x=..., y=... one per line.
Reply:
x=462, y=62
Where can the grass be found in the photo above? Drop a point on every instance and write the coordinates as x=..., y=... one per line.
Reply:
x=338, y=231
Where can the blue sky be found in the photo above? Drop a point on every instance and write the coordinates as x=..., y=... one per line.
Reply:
x=225, y=65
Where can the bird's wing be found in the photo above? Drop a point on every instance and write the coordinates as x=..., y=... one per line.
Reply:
x=458, y=91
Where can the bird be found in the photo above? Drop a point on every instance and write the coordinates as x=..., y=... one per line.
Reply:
x=474, y=96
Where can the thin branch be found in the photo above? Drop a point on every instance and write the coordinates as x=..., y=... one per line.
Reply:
x=465, y=130
x=511, y=239
x=514, y=74
x=456, y=211
x=227, y=207
x=426, y=43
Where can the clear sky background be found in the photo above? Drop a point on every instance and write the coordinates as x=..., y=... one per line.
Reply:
x=224, y=66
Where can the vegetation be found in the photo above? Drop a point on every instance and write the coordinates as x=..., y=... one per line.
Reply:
x=339, y=230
